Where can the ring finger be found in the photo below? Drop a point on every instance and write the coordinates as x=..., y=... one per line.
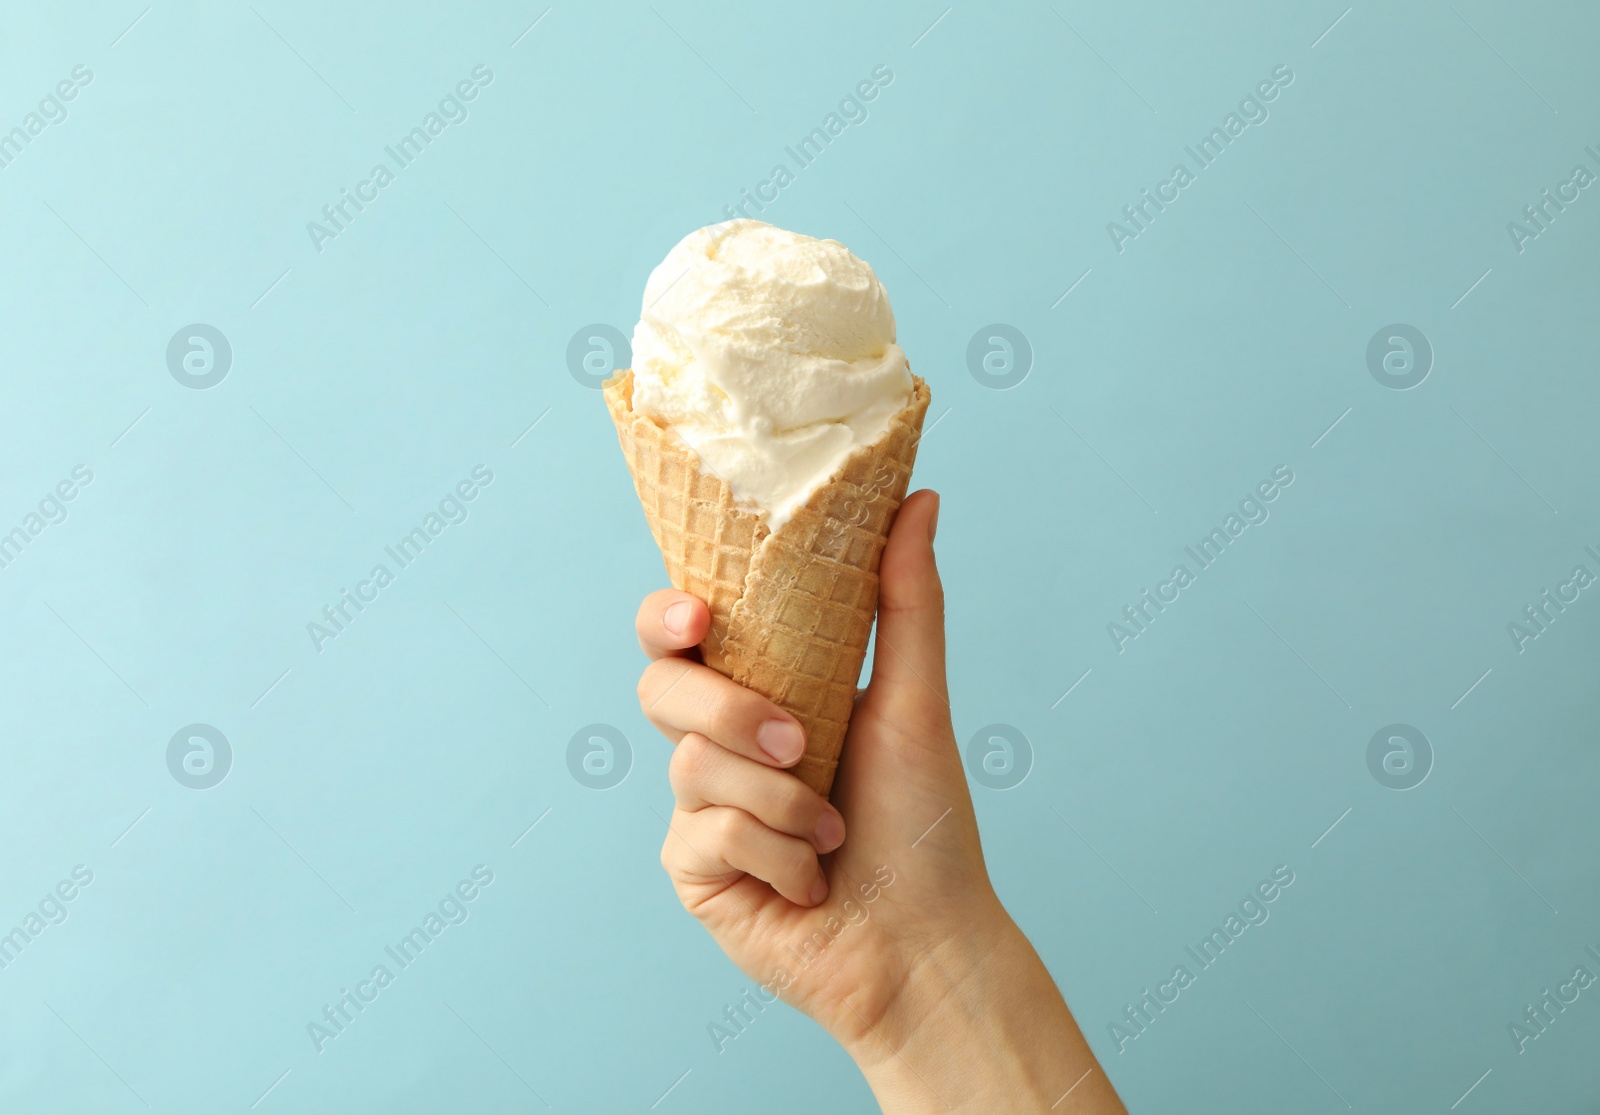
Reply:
x=704, y=774
x=713, y=843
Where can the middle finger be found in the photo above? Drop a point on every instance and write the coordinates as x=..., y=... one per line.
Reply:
x=680, y=696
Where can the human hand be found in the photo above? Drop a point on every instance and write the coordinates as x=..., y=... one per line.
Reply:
x=873, y=914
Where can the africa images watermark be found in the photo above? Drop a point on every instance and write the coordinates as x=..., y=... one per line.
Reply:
x=599, y=756
x=1136, y=618
x=1253, y=910
x=852, y=111
x=452, y=509
x=52, y=110
x=51, y=910
x=1252, y=113
x=52, y=510
x=1539, y=1016
x=1543, y=213
x=452, y=909
x=1538, y=616
x=451, y=112
x=738, y=1015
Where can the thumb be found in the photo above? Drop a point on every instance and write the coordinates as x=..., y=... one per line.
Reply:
x=909, y=661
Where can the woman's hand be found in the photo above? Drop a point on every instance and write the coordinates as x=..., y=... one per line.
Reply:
x=874, y=914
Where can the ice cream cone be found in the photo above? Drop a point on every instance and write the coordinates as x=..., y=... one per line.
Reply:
x=791, y=610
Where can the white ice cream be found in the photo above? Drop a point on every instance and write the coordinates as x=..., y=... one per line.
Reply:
x=771, y=354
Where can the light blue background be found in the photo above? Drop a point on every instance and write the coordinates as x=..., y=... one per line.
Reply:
x=370, y=377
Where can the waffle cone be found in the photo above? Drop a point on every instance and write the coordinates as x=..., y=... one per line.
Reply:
x=791, y=610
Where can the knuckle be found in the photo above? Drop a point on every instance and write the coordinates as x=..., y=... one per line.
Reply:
x=676, y=860
x=690, y=760
x=731, y=827
x=650, y=680
x=654, y=682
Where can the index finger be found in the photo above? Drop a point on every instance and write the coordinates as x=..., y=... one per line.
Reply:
x=670, y=624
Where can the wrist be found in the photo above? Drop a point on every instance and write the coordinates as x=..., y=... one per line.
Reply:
x=980, y=1026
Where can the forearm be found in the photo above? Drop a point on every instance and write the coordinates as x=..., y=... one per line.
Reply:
x=982, y=1028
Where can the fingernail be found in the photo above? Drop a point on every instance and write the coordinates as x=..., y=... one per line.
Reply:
x=676, y=618
x=933, y=520
x=819, y=890
x=783, y=740
x=830, y=831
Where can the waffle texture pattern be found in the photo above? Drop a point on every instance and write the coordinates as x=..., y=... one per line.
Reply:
x=791, y=611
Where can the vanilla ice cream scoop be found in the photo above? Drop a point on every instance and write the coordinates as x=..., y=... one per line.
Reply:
x=772, y=355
